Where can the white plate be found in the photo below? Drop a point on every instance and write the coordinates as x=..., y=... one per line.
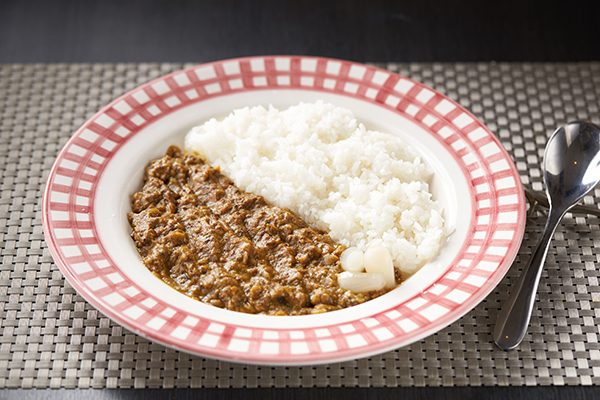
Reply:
x=87, y=198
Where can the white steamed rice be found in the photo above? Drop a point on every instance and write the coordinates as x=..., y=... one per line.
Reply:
x=365, y=188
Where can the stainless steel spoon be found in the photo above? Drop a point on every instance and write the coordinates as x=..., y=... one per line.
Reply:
x=571, y=170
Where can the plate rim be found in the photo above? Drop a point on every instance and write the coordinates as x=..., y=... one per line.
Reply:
x=318, y=357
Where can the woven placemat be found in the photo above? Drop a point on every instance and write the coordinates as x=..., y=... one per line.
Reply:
x=51, y=337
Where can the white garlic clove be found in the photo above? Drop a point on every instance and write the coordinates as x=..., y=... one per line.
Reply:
x=361, y=282
x=352, y=259
x=378, y=260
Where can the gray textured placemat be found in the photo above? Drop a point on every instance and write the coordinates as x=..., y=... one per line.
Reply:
x=51, y=337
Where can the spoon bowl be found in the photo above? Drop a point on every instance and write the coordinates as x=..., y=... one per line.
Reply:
x=571, y=170
x=571, y=163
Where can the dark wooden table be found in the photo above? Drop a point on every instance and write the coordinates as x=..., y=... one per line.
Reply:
x=65, y=31
x=358, y=30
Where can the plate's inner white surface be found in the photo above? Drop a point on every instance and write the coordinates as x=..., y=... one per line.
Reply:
x=123, y=176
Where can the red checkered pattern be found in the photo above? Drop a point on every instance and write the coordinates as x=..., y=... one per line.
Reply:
x=495, y=232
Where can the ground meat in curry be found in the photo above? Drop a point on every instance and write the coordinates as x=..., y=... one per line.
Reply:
x=203, y=236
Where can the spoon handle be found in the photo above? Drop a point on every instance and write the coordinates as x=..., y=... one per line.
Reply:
x=513, y=320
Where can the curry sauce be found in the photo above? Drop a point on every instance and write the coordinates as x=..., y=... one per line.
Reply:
x=203, y=236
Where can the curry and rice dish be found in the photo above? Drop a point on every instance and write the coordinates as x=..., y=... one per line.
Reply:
x=206, y=238
x=289, y=212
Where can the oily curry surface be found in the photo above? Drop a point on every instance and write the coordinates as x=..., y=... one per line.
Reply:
x=203, y=236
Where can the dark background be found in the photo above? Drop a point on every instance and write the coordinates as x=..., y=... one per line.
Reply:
x=34, y=31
